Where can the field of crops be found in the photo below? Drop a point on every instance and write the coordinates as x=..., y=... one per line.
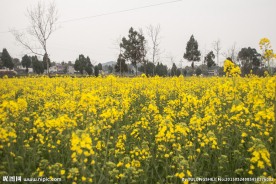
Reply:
x=137, y=130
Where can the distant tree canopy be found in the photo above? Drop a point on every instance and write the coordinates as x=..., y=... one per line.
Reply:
x=26, y=62
x=192, y=53
x=133, y=47
x=100, y=66
x=7, y=59
x=149, y=70
x=209, y=59
x=121, y=65
x=83, y=64
x=249, y=59
x=161, y=70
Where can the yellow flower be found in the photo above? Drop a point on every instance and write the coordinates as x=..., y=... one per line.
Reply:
x=83, y=178
x=41, y=173
x=181, y=175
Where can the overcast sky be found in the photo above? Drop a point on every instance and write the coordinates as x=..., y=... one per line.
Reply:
x=243, y=22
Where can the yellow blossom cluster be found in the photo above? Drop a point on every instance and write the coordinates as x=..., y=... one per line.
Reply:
x=231, y=69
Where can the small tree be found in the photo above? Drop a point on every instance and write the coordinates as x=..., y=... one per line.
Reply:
x=249, y=59
x=121, y=65
x=47, y=63
x=173, y=70
x=100, y=66
x=209, y=59
x=96, y=71
x=198, y=71
x=26, y=62
x=83, y=64
x=37, y=65
x=161, y=70
x=192, y=53
x=6, y=59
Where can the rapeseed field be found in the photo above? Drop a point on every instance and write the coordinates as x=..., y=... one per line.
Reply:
x=137, y=130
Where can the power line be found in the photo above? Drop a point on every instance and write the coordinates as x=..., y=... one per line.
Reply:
x=110, y=13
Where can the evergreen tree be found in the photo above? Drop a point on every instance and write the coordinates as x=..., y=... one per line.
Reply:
x=100, y=66
x=249, y=58
x=83, y=64
x=209, y=59
x=173, y=70
x=26, y=62
x=192, y=53
x=161, y=70
x=121, y=65
x=150, y=67
x=46, y=62
x=37, y=65
x=96, y=71
x=134, y=48
x=6, y=59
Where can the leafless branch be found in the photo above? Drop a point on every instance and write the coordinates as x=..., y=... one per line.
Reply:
x=154, y=35
x=42, y=25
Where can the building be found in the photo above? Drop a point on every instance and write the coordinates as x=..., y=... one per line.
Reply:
x=70, y=70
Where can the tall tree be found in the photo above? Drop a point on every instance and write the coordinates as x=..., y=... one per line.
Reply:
x=192, y=53
x=133, y=47
x=7, y=59
x=42, y=25
x=249, y=59
x=209, y=59
x=154, y=35
x=26, y=62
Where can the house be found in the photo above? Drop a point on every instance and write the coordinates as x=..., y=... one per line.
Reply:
x=53, y=69
x=70, y=70
x=20, y=67
x=213, y=72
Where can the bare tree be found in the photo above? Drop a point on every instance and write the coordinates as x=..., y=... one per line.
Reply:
x=42, y=24
x=232, y=53
x=217, y=48
x=154, y=35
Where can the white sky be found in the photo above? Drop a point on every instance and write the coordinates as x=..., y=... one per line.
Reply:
x=242, y=21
